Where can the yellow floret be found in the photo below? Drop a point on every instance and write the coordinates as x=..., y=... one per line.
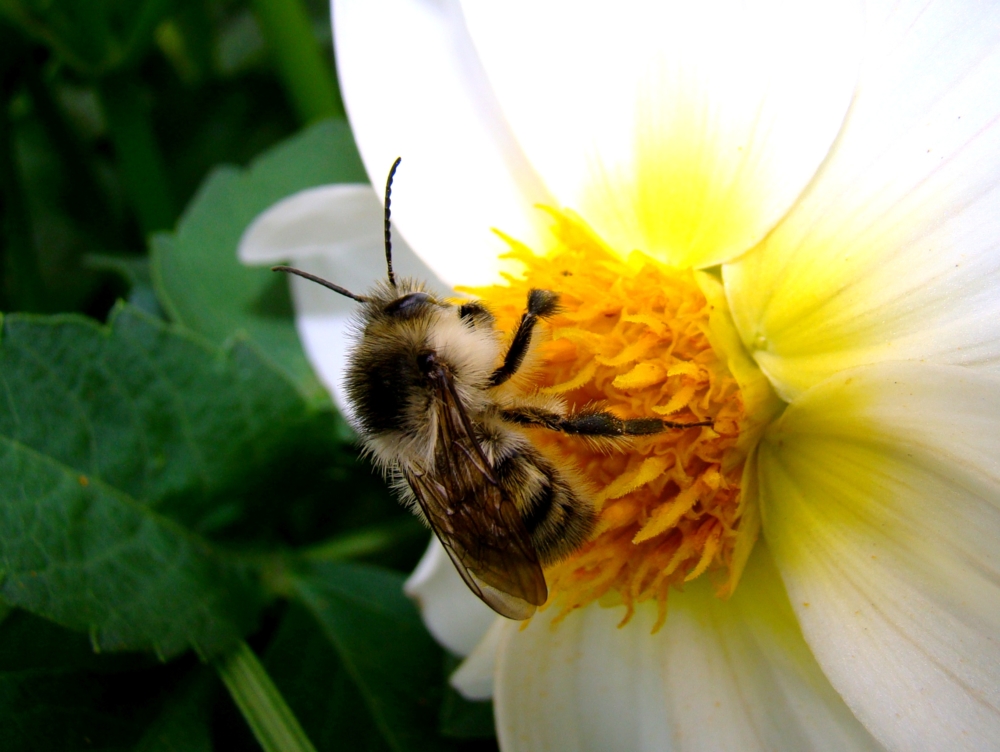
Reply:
x=633, y=336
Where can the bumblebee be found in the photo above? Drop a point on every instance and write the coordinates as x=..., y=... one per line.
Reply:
x=429, y=382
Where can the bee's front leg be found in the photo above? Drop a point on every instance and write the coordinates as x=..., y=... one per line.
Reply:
x=541, y=304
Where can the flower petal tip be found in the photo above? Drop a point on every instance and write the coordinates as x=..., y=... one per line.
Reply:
x=325, y=220
x=453, y=615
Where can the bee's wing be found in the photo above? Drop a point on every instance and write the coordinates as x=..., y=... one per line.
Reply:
x=476, y=522
x=486, y=540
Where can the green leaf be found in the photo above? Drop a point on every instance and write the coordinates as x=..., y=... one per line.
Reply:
x=461, y=718
x=81, y=710
x=318, y=688
x=197, y=275
x=30, y=642
x=145, y=408
x=401, y=533
x=183, y=723
x=134, y=270
x=110, y=437
x=56, y=693
x=66, y=711
x=383, y=645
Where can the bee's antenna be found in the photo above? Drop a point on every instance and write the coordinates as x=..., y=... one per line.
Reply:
x=388, y=232
x=319, y=280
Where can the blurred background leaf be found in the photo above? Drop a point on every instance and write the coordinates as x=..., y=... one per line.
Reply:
x=377, y=634
x=114, y=112
x=312, y=677
x=195, y=269
x=93, y=36
x=179, y=477
x=461, y=718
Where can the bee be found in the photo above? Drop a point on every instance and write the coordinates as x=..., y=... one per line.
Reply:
x=430, y=385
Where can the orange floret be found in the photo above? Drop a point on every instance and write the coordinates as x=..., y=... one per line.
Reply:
x=633, y=336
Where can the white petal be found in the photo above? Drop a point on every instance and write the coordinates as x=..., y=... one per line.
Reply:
x=721, y=675
x=414, y=88
x=881, y=499
x=685, y=129
x=894, y=251
x=474, y=678
x=456, y=618
x=324, y=322
x=334, y=232
x=330, y=219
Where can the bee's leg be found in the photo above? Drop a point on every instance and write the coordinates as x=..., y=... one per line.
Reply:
x=475, y=312
x=593, y=423
x=541, y=303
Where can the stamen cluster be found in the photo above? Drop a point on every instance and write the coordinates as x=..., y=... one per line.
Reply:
x=632, y=335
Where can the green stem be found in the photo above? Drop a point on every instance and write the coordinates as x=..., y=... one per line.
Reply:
x=138, y=154
x=21, y=284
x=306, y=75
x=193, y=54
x=262, y=705
x=365, y=542
x=356, y=544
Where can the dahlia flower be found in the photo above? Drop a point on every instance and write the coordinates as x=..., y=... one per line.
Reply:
x=783, y=217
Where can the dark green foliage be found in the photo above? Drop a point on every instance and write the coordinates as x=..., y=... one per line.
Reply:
x=56, y=694
x=183, y=720
x=109, y=439
x=382, y=645
x=325, y=698
x=173, y=478
x=94, y=36
x=50, y=710
x=28, y=642
x=461, y=718
x=196, y=272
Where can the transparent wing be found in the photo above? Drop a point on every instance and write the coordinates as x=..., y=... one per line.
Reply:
x=476, y=522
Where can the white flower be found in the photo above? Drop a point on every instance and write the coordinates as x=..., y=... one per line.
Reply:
x=842, y=164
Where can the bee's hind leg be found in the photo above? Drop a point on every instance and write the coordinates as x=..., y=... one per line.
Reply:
x=541, y=304
x=596, y=423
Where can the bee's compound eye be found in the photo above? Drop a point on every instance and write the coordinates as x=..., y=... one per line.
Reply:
x=408, y=305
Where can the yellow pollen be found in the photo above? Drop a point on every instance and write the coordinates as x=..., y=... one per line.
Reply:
x=633, y=336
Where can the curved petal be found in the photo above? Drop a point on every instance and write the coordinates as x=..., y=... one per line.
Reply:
x=474, y=677
x=894, y=251
x=330, y=219
x=413, y=87
x=325, y=326
x=327, y=231
x=456, y=618
x=720, y=675
x=682, y=129
x=880, y=492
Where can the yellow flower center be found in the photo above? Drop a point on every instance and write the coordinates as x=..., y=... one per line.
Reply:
x=635, y=337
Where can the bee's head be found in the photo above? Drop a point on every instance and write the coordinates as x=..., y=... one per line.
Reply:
x=387, y=376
